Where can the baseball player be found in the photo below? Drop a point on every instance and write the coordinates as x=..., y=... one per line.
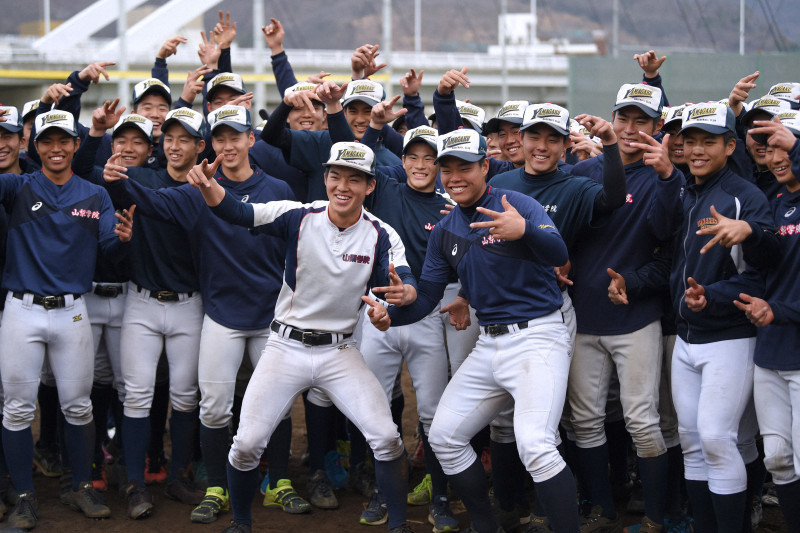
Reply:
x=53, y=219
x=254, y=268
x=776, y=365
x=712, y=364
x=310, y=346
x=493, y=239
x=625, y=338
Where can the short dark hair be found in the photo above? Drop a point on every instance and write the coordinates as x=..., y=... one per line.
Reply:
x=728, y=136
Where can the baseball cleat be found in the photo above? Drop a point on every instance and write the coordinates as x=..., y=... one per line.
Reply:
x=284, y=497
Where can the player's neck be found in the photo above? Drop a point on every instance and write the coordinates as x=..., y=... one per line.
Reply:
x=178, y=174
x=240, y=173
x=60, y=177
x=627, y=159
x=15, y=168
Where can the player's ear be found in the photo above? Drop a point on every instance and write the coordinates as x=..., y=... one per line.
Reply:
x=251, y=140
x=370, y=184
x=659, y=124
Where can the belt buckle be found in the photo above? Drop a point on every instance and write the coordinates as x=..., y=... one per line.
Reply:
x=309, y=338
x=50, y=302
x=165, y=296
x=494, y=330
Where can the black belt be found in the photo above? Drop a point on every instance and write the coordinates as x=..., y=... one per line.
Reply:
x=48, y=302
x=164, y=296
x=308, y=338
x=108, y=291
x=501, y=329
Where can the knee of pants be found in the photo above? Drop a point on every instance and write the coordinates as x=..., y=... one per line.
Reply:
x=455, y=457
x=246, y=450
x=319, y=398
x=78, y=413
x=779, y=459
x=748, y=450
x=502, y=428
x=542, y=463
x=387, y=447
x=589, y=433
x=693, y=461
x=720, y=451
x=649, y=441
x=216, y=404
x=185, y=401
x=17, y=416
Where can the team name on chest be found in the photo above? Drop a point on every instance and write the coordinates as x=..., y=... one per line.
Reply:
x=86, y=213
x=356, y=258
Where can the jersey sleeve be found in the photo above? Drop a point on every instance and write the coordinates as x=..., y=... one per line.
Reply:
x=664, y=215
x=309, y=149
x=108, y=241
x=339, y=129
x=9, y=185
x=174, y=205
x=284, y=74
x=416, y=111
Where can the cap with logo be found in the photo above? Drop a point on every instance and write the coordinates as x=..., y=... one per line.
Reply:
x=225, y=79
x=143, y=124
x=192, y=121
x=420, y=134
x=674, y=115
x=645, y=97
x=13, y=122
x=352, y=155
x=234, y=116
x=148, y=86
x=791, y=119
x=512, y=111
x=576, y=127
x=788, y=91
x=473, y=114
x=260, y=127
x=29, y=109
x=63, y=120
x=367, y=91
x=769, y=105
x=304, y=86
x=552, y=115
x=712, y=117
x=465, y=144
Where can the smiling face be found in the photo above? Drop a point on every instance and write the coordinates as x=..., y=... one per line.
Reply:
x=780, y=165
x=675, y=144
x=357, y=114
x=509, y=140
x=234, y=147
x=419, y=162
x=56, y=149
x=543, y=147
x=627, y=124
x=465, y=182
x=346, y=188
x=181, y=148
x=706, y=152
x=224, y=96
x=301, y=118
x=133, y=145
x=10, y=144
x=154, y=107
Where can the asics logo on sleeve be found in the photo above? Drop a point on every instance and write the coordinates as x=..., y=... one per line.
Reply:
x=789, y=212
x=36, y=206
x=245, y=198
x=455, y=249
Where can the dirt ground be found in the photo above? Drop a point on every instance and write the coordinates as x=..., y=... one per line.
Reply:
x=170, y=516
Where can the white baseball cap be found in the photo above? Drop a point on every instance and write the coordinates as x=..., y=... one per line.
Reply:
x=63, y=120
x=225, y=79
x=352, y=155
x=235, y=116
x=789, y=91
x=418, y=134
x=260, y=126
x=29, y=107
x=13, y=122
x=191, y=120
x=150, y=85
x=512, y=111
x=143, y=124
x=367, y=91
x=712, y=117
x=645, y=97
x=553, y=115
x=675, y=114
x=791, y=119
x=462, y=143
x=766, y=104
x=472, y=114
x=577, y=127
x=304, y=86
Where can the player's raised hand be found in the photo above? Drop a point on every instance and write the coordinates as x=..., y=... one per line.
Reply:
x=397, y=293
x=224, y=30
x=411, y=82
x=274, y=35
x=695, y=296
x=727, y=231
x=113, y=171
x=562, y=274
x=319, y=79
x=194, y=83
x=507, y=225
x=301, y=99
x=758, y=311
x=105, y=117
x=382, y=113
x=56, y=92
x=377, y=314
x=778, y=135
x=328, y=93
x=93, y=71
x=372, y=67
x=458, y=311
x=617, y=292
x=208, y=51
x=452, y=79
x=598, y=127
x=582, y=146
x=202, y=177
x=124, y=228
x=649, y=62
x=741, y=92
x=656, y=154
x=245, y=100
x=170, y=47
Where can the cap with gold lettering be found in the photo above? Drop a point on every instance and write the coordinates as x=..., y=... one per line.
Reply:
x=462, y=143
x=234, y=116
x=352, y=155
x=63, y=120
x=143, y=124
x=712, y=117
x=645, y=97
x=552, y=115
x=191, y=120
